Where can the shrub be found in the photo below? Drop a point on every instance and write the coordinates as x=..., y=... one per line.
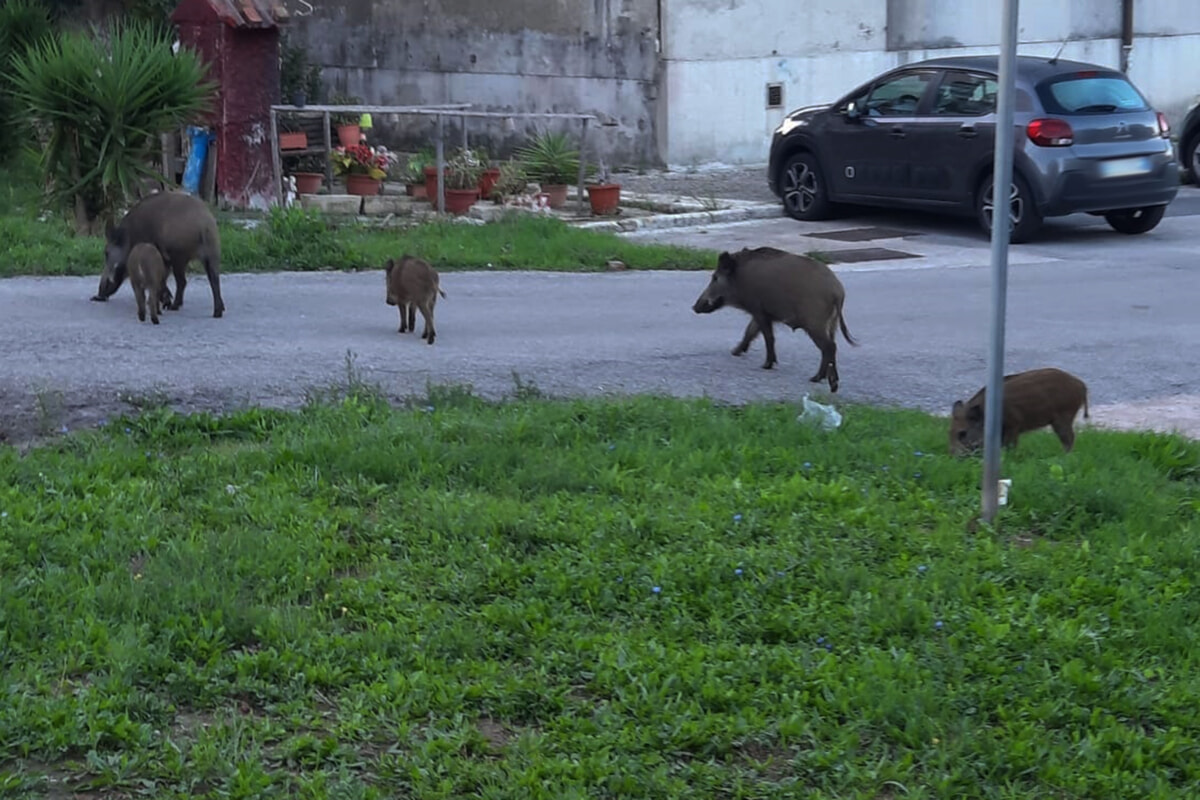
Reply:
x=23, y=23
x=105, y=105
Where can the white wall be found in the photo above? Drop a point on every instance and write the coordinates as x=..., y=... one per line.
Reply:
x=719, y=55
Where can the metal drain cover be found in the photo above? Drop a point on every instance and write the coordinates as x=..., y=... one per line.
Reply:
x=862, y=234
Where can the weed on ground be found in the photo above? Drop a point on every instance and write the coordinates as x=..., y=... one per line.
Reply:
x=566, y=599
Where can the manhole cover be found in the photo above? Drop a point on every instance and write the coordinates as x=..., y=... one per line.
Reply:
x=863, y=234
x=862, y=254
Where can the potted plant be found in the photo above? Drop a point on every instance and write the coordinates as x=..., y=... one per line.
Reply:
x=603, y=194
x=462, y=181
x=309, y=173
x=299, y=80
x=414, y=172
x=551, y=161
x=511, y=181
x=489, y=174
x=346, y=122
x=291, y=137
x=364, y=167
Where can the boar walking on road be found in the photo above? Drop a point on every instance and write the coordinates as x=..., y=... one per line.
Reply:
x=777, y=286
x=147, y=276
x=1031, y=400
x=412, y=284
x=181, y=226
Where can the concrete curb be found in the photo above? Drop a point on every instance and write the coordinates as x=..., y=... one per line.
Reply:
x=687, y=220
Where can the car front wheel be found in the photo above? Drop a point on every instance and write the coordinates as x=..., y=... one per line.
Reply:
x=1191, y=159
x=1023, y=214
x=1135, y=220
x=805, y=195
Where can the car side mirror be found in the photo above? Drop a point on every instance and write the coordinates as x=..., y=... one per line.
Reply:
x=851, y=110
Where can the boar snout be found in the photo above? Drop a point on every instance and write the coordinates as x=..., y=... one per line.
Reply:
x=708, y=302
x=966, y=428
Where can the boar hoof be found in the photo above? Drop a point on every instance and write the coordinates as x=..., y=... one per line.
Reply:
x=154, y=320
x=99, y=298
x=769, y=365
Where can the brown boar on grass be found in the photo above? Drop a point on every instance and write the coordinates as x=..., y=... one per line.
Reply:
x=147, y=276
x=1031, y=400
x=412, y=284
x=777, y=286
x=182, y=227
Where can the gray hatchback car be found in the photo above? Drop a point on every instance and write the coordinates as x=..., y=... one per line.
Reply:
x=923, y=136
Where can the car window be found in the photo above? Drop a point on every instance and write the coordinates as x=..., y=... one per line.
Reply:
x=1084, y=94
x=962, y=94
x=897, y=96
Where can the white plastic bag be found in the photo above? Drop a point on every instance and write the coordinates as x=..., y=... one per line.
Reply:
x=827, y=417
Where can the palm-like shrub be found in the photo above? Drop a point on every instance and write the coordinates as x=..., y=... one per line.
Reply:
x=104, y=105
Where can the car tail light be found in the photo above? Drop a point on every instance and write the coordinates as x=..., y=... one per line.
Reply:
x=1050, y=133
x=1164, y=127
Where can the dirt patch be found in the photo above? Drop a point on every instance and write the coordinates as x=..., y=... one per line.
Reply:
x=1174, y=414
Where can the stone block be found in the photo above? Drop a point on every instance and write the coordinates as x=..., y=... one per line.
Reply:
x=346, y=204
x=383, y=204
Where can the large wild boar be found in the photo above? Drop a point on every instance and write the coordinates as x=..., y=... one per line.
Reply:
x=413, y=284
x=1032, y=400
x=148, y=276
x=181, y=226
x=776, y=286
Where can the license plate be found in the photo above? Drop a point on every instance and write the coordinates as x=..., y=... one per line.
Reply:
x=1124, y=167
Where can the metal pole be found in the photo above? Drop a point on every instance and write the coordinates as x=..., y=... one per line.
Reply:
x=441, y=166
x=583, y=135
x=1001, y=232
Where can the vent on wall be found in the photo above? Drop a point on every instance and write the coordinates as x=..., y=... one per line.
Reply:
x=774, y=95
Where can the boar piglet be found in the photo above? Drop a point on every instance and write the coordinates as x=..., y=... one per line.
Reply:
x=777, y=286
x=147, y=276
x=1032, y=400
x=181, y=226
x=412, y=284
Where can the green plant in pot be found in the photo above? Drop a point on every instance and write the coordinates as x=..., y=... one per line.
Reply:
x=553, y=162
x=346, y=123
x=413, y=173
x=309, y=172
x=511, y=182
x=462, y=181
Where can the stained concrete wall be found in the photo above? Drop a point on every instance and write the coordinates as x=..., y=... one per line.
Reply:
x=719, y=56
x=574, y=56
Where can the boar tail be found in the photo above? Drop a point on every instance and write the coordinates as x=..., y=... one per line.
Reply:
x=842, y=325
x=1085, y=405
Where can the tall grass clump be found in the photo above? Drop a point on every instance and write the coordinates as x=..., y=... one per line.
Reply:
x=104, y=101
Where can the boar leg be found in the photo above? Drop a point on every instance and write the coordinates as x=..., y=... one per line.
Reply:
x=155, y=296
x=427, y=312
x=412, y=317
x=828, y=370
x=1065, y=428
x=747, y=338
x=403, y=316
x=139, y=294
x=768, y=331
x=212, y=268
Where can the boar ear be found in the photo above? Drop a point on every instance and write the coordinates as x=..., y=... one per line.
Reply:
x=956, y=411
x=114, y=234
x=975, y=414
x=388, y=266
x=726, y=263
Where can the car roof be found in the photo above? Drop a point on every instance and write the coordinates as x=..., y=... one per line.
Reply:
x=1035, y=68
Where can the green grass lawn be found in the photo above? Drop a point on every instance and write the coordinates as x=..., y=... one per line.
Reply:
x=577, y=599
x=36, y=243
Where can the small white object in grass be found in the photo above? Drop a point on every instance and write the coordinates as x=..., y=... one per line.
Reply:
x=819, y=414
x=1004, y=484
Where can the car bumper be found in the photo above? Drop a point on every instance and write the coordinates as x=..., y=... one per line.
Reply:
x=1088, y=188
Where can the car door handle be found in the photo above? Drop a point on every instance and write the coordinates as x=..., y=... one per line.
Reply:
x=898, y=132
x=967, y=132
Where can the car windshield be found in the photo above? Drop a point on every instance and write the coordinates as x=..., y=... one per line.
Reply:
x=1100, y=94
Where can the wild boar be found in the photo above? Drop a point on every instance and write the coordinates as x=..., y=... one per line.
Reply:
x=181, y=226
x=413, y=284
x=147, y=275
x=777, y=286
x=1032, y=400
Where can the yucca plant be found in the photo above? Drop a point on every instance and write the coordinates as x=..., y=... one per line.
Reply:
x=550, y=159
x=23, y=23
x=105, y=106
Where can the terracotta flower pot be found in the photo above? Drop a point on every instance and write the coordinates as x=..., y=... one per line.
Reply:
x=459, y=201
x=308, y=182
x=415, y=190
x=363, y=185
x=348, y=135
x=431, y=184
x=557, y=194
x=604, y=197
x=487, y=181
x=293, y=140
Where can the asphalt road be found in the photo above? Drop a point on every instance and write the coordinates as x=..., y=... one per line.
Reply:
x=1119, y=311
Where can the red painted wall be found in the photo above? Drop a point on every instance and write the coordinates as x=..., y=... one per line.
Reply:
x=244, y=63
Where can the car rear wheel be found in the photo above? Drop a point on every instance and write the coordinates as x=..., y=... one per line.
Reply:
x=1191, y=159
x=1135, y=220
x=805, y=196
x=1025, y=218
